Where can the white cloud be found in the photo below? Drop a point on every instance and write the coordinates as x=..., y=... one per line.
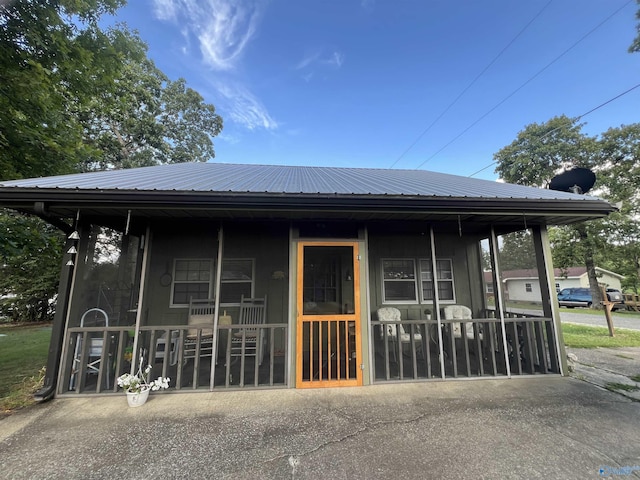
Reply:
x=319, y=59
x=223, y=27
x=336, y=59
x=165, y=10
x=307, y=60
x=244, y=108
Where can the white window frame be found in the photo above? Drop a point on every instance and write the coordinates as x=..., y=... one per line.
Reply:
x=174, y=281
x=528, y=287
x=384, y=280
x=452, y=280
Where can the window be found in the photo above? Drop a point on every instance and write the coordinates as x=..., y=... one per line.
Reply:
x=444, y=274
x=527, y=287
x=399, y=281
x=237, y=280
x=191, y=278
x=489, y=287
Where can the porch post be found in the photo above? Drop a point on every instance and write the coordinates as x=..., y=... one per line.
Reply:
x=292, y=314
x=367, y=308
x=547, y=287
x=216, y=311
x=436, y=299
x=143, y=277
x=493, y=242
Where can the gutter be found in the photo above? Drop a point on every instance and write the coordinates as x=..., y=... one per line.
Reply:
x=23, y=198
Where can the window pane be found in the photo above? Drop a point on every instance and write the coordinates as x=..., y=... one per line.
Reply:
x=182, y=292
x=398, y=269
x=237, y=270
x=445, y=290
x=444, y=269
x=425, y=270
x=399, y=291
x=427, y=290
x=232, y=292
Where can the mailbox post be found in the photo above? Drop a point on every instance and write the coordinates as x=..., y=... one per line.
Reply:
x=608, y=307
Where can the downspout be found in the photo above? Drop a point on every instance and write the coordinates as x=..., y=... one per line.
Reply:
x=59, y=319
x=40, y=211
x=216, y=311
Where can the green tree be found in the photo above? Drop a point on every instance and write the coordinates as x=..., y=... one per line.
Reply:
x=148, y=119
x=30, y=256
x=541, y=151
x=53, y=56
x=517, y=251
x=76, y=97
x=635, y=45
x=620, y=174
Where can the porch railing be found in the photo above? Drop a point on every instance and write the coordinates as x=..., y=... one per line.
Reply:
x=410, y=350
x=245, y=357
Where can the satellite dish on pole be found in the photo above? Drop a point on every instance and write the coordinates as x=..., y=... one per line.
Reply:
x=577, y=180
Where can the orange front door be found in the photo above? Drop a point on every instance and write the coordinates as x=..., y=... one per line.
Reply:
x=328, y=350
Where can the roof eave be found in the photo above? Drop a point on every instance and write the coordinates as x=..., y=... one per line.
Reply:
x=25, y=198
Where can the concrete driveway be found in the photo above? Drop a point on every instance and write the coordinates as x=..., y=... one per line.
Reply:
x=547, y=427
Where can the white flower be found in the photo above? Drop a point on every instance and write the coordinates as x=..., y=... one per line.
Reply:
x=140, y=381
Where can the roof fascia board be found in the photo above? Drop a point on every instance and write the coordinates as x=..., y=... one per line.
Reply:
x=11, y=197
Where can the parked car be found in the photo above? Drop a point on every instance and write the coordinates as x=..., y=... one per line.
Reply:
x=581, y=297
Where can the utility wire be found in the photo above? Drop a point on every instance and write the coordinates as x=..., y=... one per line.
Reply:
x=424, y=132
x=525, y=84
x=574, y=120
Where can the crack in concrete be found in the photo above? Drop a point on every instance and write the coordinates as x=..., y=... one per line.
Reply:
x=353, y=434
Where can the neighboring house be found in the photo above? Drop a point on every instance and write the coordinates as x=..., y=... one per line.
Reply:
x=160, y=260
x=523, y=285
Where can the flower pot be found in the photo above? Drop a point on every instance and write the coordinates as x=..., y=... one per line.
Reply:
x=137, y=399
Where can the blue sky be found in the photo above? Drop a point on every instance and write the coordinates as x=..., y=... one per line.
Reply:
x=372, y=83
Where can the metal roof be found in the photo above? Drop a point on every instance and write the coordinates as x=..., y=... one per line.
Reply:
x=278, y=179
x=273, y=193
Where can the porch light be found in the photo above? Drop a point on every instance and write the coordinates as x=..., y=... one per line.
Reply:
x=74, y=235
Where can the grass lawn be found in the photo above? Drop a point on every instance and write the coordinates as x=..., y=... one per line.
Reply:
x=584, y=336
x=23, y=354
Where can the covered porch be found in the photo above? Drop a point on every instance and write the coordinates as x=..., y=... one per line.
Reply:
x=148, y=294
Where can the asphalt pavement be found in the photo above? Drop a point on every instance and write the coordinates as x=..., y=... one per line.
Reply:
x=543, y=427
x=630, y=320
x=573, y=427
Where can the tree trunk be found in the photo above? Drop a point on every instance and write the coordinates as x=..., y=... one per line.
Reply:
x=596, y=293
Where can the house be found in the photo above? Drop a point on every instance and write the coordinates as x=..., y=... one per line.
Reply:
x=522, y=285
x=258, y=276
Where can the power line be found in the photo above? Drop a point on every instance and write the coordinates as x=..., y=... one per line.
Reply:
x=424, y=132
x=575, y=120
x=525, y=84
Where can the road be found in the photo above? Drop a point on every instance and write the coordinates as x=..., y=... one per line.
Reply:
x=631, y=321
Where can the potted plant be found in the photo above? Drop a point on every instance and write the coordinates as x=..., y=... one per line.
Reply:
x=138, y=386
